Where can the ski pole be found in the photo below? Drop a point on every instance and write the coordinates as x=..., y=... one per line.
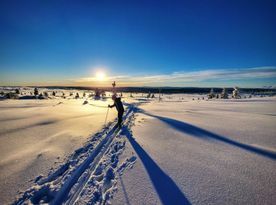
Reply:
x=106, y=117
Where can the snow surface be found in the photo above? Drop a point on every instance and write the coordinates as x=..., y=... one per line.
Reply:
x=179, y=150
x=37, y=135
x=202, y=152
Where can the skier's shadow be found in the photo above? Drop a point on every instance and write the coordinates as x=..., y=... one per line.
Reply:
x=168, y=192
x=205, y=134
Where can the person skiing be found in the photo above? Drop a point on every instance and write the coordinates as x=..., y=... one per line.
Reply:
x=120, y=108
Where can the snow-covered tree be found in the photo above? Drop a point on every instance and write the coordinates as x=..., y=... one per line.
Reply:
x=211, y=94
x=224, y=94
x=236, y=93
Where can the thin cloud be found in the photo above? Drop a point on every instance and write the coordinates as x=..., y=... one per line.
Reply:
x=186, y=77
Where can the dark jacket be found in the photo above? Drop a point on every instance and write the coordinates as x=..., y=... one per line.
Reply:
x=119, y=105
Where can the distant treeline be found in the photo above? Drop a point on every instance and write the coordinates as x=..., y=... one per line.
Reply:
x=168, y=90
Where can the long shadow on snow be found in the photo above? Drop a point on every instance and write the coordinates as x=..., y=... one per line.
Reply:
x=199, y=132
x=167, y=190
x=124, y=190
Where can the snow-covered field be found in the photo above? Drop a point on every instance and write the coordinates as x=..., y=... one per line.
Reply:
x=203, y=152
x=36, y=135
x=174, y=151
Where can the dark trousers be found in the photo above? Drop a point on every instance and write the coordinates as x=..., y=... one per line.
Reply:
x=120, y=118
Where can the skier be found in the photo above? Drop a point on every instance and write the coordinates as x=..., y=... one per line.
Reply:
x=120, y=108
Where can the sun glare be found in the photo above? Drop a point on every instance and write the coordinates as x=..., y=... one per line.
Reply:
x=100, y=76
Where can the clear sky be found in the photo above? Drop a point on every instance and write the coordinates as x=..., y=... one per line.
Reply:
x=150, y=43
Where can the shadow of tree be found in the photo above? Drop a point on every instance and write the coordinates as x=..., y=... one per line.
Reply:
x=124, y=191
x=167, y=190
x=205, y=134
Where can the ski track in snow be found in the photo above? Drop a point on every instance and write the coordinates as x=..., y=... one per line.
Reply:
x=90, y=174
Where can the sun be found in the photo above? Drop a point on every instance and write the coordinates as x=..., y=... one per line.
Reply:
x=100, y=76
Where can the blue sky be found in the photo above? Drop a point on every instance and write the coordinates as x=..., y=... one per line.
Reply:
x=152, y=43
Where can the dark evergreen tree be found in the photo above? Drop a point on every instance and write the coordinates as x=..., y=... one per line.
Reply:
x=17, y=91
x=46, y=94
x=97, y=93
x=35, y=91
